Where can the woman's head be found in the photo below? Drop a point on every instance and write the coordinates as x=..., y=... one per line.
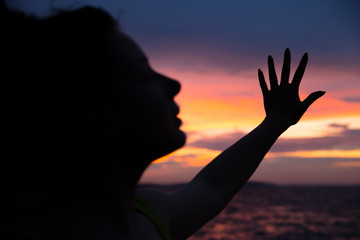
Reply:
x=51, y=69
x=76, y=60
x=75, y=85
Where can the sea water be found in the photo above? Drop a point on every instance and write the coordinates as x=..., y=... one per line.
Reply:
x=264, y=212
x=271, y=212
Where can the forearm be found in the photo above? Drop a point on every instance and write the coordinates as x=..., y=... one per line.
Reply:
x=228, y=172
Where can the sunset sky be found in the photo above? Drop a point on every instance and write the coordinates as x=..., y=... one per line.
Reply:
x=214, y=49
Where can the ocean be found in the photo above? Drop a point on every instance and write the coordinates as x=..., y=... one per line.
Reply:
x=271, y=212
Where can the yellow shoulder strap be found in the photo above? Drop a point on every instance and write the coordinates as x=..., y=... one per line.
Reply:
x=144, y=208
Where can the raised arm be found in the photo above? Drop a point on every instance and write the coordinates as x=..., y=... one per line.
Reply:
x=210, y=191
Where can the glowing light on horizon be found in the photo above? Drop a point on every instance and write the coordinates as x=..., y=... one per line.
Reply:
x=347, y=164
x=190, y=156
x=317, y=154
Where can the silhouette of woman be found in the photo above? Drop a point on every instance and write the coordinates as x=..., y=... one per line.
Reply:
x=85, y=115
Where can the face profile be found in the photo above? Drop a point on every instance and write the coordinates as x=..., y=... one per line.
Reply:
x=147, y=107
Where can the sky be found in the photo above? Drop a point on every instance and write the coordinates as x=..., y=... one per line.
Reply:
x=214, y=49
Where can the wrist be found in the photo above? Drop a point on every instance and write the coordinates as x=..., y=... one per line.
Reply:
x=276, y=124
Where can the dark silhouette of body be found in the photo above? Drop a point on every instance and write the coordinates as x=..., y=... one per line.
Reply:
x=85, y=115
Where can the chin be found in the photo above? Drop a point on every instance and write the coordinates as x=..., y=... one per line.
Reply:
x=172, y=144
x=177, y=141
x=181, y=139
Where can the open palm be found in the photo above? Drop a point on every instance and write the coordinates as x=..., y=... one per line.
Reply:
x=282, y=103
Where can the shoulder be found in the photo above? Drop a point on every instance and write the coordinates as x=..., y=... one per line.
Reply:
x=158, y=200
x=152, y=215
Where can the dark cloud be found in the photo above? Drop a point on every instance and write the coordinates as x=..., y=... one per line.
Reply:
x=173, y=162
x=169, y=163
x=347, y=139
x=297, y=162
x=178, y=159
x=352, y=99
x=232, y=35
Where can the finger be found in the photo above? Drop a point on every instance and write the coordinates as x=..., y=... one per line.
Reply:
x=312, y=98
x=272, y=73
x=262, y=82
x=285, y=73
x=300, y=70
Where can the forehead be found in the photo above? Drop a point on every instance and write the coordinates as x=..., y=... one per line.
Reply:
x=125, y=50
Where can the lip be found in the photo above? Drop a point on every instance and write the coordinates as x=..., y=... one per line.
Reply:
x=178, y=121
x=176, y=109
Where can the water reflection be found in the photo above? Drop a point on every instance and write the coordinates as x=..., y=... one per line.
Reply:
x=273, y=212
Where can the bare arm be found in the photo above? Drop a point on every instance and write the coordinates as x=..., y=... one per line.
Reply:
x=232, y=168
x=210, y=191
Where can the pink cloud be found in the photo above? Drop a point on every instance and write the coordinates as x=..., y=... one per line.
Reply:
x=347, y=139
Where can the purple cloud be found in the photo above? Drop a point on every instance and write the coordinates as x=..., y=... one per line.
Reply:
x=351, y=99
x=220, y=142
x=347, y=139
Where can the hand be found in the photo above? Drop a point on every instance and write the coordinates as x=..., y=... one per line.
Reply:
x=282, y=103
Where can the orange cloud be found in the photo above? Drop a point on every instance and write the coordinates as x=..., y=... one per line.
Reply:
x=216, y=103
x=207, y=113
x=318, y=154
x=215, y=99
x=191, y=156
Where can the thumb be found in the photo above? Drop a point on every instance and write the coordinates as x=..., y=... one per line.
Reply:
x=312, y=98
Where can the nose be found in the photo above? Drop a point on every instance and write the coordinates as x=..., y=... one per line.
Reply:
x=171, y=86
